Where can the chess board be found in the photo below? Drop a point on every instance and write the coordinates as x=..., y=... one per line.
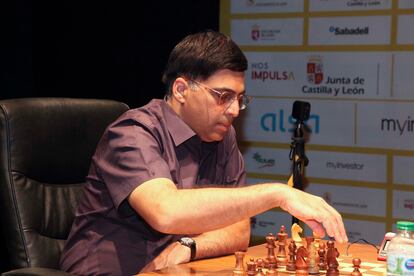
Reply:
x=345, y=268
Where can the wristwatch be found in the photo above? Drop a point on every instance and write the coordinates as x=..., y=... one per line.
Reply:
x=189, y=242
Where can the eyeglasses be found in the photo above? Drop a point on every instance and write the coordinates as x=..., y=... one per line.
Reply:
x=227, y=97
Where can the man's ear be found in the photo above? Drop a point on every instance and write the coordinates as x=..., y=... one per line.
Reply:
x=180, y=86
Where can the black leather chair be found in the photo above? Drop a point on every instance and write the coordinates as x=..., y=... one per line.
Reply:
x=46, y=145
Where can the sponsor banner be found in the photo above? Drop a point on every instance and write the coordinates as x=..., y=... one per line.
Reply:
x=348, y=5
x=363, y=30
x=403, y=205
x=403, y=75
x=346, y=75
x=270, y=222
x=266, y=160
x=352, y=200
x=360, y=229
x=405, y=33
x=385, y=125
x=406, y=4
x=347, y=166
x=266, y=6
x=255, y=32
x=403, y=172
x=270, y=120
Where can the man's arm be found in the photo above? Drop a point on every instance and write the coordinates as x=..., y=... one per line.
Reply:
x=194, y=211
x=210, y=244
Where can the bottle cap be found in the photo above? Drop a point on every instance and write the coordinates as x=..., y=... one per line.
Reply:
x=405, y=225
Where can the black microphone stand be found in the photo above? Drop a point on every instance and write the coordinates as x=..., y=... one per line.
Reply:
x=297, y=154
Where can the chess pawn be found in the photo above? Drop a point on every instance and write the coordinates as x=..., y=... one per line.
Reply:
x=239, y=267
x=251, y=267
x=260, y=272
x=260, y=263
x=270, y=245
x=291, y=266
x=322, y=260
x=282, y=239
x=272, y=271
x=357, y=264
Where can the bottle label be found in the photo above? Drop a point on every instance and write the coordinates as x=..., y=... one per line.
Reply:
x=400, y=265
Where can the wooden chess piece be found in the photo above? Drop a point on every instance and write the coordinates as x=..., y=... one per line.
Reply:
x=270, y=245
x=295, y=230
x=301, y=264
x=313, y=267
x=239, y=267
x=260, y=263
x=309, y=241
x=331, y=255
x=282, y=239
x=272, y=271
x=260, y=272
x=357, y=265
x=291, y=266
x=322, y=260
x=251, y=267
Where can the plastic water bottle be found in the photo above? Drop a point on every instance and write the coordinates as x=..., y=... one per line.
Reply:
x=400, y=252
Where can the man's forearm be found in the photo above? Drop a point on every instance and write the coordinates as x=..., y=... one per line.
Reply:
x=223, y=241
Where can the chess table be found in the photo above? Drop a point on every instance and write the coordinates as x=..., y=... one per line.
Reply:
x=225, y=265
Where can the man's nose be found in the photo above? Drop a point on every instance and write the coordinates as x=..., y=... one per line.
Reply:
x=234, y=108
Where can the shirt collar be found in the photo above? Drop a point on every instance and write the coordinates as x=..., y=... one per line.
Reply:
x=178, y=129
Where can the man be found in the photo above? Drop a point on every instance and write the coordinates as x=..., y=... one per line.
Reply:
x=166, y=181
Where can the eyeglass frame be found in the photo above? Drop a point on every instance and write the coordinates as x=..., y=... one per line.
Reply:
x=245, y=98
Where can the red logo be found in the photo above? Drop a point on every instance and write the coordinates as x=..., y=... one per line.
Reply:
x=314, y=70
x=255, y=32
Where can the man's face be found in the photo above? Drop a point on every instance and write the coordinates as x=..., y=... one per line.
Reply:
x=203, y=110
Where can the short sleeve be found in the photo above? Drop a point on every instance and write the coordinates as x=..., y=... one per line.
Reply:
x=131, y=155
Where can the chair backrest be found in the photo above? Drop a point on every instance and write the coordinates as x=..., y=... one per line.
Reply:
x=46, y=145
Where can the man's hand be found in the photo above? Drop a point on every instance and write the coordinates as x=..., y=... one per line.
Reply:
x=174, y=254
x=315, y=212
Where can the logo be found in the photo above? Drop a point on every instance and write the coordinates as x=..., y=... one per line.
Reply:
x=409, y=204
x=397, y=125
x=349, y=31
x=277, y=121
x=262, y=71
x=314, y=70
x=255, y=32
x=409, y=264
x=263, y=161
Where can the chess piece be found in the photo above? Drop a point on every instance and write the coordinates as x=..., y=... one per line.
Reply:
x=331, y=255
x=281, y=254
x=309, y=241
x=295, y=230
x=260, y=263
x=251, y=267
x=260, y=272
x=313, y=267
x=239, y=267
x=272, y=271
x=322, y=260
x=291, y=266
x=270, y=245
x=301, y=264
x=357, y=264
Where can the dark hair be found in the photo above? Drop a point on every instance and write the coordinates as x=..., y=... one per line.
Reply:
x=200, y=55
